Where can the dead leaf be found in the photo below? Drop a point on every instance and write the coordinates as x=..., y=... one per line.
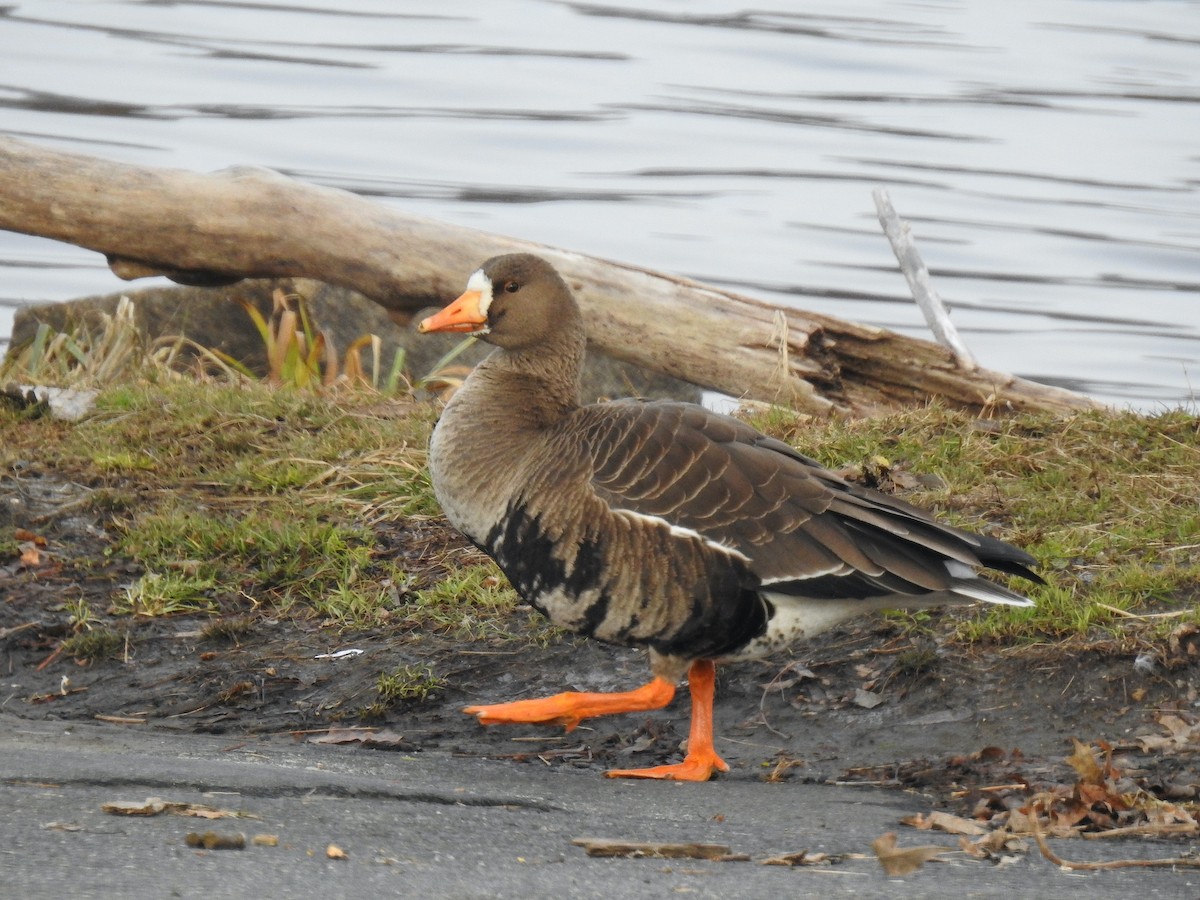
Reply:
x=30, y=556
x=989, y=754
x=1071, y=812
x=333, y=851
x=1184, y=641
x=265, y=840
x=799, y=858
x=645, y=742
x=992, y=844
x=1166, y=815
x=941, y=821
x=151, y=806
x=24, y=535
x=1020, y=822
x=63, y=826
x=902, y=862
x=867, y=699
x=1083, y=761
x=212, y=840
x=797, y=673
x=658, y=849
x=366, y=736
x=1180, y=734
x=206, y=812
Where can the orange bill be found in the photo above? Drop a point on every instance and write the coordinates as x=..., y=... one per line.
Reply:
x=463, y=315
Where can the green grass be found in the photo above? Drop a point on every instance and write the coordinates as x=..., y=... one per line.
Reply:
x=169, y=594
x=403, y=685
x=242, y=500
x=407, y=683
x=279, y=555
x=472, y=603
x=98, y=644
x=240, y=497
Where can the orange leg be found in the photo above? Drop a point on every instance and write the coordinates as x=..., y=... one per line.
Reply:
x=701, y=760
x=572, y=707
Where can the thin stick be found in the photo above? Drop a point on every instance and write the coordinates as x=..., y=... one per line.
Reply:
x=1117, y=611
x=1147, y=829
x=917, y=275
x=1111, y=864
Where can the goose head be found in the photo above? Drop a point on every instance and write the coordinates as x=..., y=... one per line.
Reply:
x=515, y=301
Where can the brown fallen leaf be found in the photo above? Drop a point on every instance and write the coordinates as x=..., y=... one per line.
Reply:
x=208, y=812
x=1184, y=641
x=799, y=858
x=211, y=840
x=265, y=840
x=1083, y=761
x=365, y=736
x=333, y=851
x=896, y=861
x=63, y=826
x=1179, y=735
x=151, y=806
x=24, y=535
x=1023, y=822
x=605, y=847
x=941, y=821
x=991, y=844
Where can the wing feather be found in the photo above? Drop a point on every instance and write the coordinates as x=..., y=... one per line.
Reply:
x=797, y=522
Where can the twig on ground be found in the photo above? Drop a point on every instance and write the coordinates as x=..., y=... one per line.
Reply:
x=1035, y=809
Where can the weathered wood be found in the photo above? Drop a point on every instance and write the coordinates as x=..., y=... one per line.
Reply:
x=937, y=317
x=247, y=222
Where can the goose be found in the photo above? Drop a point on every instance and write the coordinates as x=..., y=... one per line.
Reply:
x=662, y=524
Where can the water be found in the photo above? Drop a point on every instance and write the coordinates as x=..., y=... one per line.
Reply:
x=1046, y=152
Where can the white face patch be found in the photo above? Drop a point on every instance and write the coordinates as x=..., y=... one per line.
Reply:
x=481, y=283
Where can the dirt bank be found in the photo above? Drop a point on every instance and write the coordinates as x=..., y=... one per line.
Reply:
x=883, y=701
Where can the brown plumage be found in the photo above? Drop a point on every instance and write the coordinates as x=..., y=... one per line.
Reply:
x=663, y=524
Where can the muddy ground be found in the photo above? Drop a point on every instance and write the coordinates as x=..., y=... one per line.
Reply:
x=880, y=702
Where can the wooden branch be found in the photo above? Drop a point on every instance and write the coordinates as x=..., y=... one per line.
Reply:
x=256, y=223
x=899, y=234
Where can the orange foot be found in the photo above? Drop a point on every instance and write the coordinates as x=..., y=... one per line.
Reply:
x=695, y=767
x=573, y=707
x=701, y=761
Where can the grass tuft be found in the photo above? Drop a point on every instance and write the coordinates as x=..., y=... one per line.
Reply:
x=98, y=644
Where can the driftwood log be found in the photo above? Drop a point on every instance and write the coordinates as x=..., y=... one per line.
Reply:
x=255, y=223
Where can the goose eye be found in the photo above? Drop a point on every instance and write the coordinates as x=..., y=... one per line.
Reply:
x=511, y=287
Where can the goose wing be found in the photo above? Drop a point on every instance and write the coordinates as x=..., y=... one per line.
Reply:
x=804, y=529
